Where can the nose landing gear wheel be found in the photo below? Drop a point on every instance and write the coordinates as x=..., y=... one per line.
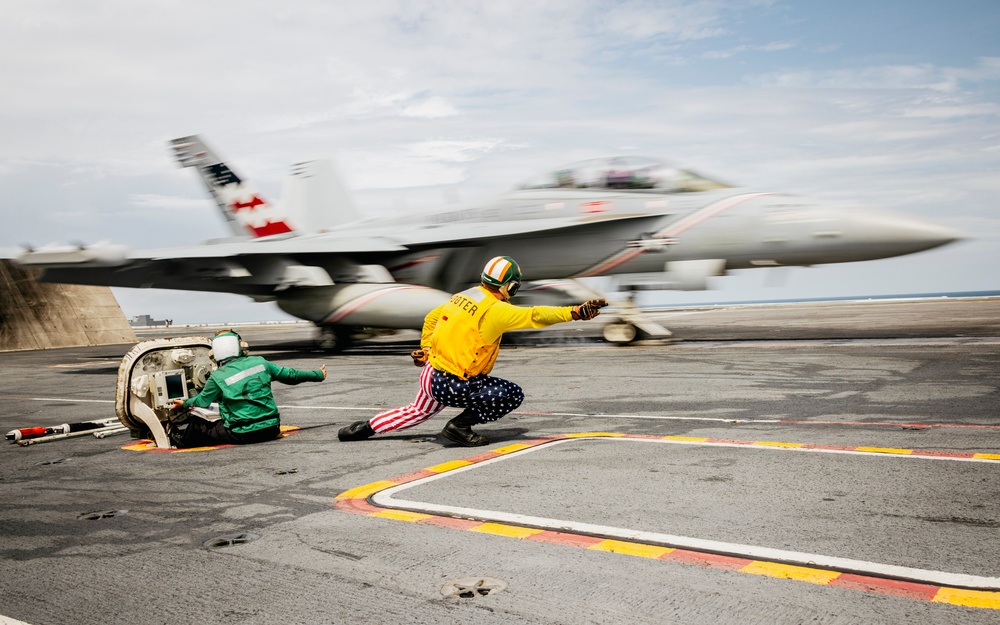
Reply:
x=620, y=333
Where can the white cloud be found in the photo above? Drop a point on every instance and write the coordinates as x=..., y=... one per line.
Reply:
x=452, y=151
x=423, y=163
x=987, y=68
x=882, y=77
x=430, y=108
x=775, y=46
x=167, y=202
x=408, y=95
x=676, y=20
x=953, y=111
x=925, y=76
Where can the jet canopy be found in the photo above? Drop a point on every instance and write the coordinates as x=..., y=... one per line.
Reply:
x=624, y=173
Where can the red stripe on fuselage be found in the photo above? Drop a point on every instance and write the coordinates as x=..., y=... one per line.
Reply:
x=670, y=231
x=357, y=303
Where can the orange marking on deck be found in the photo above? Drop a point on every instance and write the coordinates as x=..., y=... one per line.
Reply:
x=356, y=501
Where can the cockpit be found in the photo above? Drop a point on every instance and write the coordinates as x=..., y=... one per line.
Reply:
x=624, y=173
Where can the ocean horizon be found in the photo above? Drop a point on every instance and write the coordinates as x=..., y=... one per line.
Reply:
x=839, y=298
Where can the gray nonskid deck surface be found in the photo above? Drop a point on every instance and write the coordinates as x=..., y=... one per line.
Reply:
x=314, y=563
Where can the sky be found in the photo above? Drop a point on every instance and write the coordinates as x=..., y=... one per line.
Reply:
x=430, y=103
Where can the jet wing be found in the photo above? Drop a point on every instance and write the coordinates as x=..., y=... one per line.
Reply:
x=366, y=241
x=260, y=267
x=293, y=246
x=113, y=255
x=379, y=240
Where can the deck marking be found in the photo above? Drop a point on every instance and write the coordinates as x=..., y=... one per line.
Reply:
x=378, y=500
x=596, y=415
x=150, y=446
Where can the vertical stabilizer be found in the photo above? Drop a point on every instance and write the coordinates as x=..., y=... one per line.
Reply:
x=245, y=209
x=316, y=198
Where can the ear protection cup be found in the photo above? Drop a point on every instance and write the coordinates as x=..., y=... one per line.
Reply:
x=503, y=274
x=509, y=290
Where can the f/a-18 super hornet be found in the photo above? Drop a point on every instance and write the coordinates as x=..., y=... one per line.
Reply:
x=649, y=224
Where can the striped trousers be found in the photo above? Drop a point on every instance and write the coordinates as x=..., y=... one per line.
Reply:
x=422, y=408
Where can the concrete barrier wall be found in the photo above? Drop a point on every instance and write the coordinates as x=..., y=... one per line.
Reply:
x=38, y=315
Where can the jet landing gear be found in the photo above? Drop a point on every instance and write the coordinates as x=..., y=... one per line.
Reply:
x=334, y=339
x=632, y=325
x=620, y=332
x=625, y=325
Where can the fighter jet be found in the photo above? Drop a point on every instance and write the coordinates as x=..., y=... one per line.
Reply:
x=650, y=224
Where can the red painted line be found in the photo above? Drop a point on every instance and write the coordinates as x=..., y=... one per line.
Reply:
x=483, y=456
x=910, y=590
x=729, y=563
x=411, y=477
x=943, y=454
x=360, y=506
x=562, y=538
x=450, y=523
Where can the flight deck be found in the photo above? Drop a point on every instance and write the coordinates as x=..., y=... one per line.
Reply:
x=817, y=462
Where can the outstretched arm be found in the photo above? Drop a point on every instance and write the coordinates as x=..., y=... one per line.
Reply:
x=290, y=375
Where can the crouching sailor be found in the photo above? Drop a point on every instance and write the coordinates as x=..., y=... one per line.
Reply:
x=242, y=388
x=459, y=343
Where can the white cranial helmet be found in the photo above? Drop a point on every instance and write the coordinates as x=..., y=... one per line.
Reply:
x=226, y=346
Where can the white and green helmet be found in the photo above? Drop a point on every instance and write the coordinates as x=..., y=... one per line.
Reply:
x=503, y=274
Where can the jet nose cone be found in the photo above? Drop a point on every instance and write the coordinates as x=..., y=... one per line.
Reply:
x=902, y=234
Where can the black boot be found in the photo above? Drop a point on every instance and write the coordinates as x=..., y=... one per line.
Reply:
x=459, y=430
x=177, y=432
x=177, y=429
x=357, y=431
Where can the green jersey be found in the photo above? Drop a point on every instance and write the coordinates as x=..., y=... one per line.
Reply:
x=242, y=387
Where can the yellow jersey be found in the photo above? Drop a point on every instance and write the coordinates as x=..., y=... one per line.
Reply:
x=464, y=333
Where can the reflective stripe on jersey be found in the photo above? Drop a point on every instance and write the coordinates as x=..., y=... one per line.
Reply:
x=242, y=375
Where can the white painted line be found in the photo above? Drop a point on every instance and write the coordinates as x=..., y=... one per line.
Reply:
x=377, y=409
x=371, y=409
x=6, y=620
x=387, y=499
x=647, y=417
x=64, y=399
x=563, y=414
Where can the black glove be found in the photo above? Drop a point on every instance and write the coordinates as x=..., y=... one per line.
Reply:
x=589, y=309
x=419, y=357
